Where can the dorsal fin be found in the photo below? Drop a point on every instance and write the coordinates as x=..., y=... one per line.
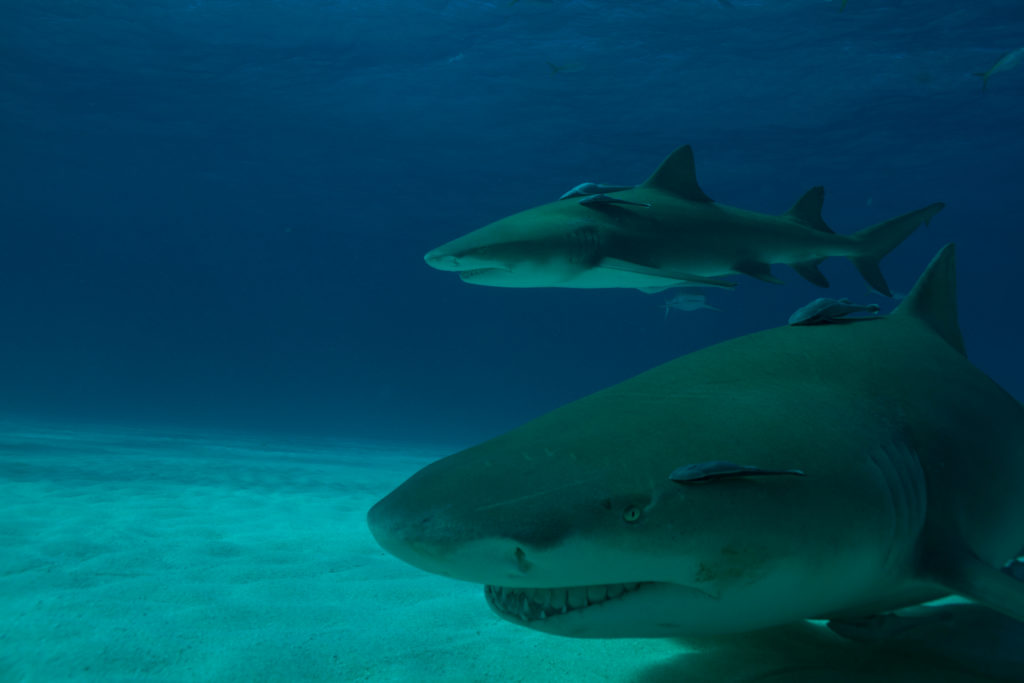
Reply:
x=807, y=209
x=678, y=175
x=933, y=298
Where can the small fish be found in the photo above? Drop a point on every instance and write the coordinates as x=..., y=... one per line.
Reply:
x=1004, y=63
x=599, y=199
x=687, y=301
x=823, y=311
x=571, y=67
x=585, y=189
x=715, y=470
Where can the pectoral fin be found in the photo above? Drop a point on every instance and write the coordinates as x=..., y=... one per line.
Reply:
x=963, y=572
x=969, y=634
x=761, y=271
x=809, y=271
x=628, y=266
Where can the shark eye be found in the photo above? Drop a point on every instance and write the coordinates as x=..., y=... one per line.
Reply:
x=631, y=514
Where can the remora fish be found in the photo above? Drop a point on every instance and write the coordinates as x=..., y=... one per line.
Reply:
x=909, y=465
x=822, y=311
x=687, y=302
x=662, y=233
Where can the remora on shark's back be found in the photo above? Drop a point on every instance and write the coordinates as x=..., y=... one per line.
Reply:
x=645, y=509
x=663, y=233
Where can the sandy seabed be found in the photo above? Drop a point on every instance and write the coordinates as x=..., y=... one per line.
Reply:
x=133, y=556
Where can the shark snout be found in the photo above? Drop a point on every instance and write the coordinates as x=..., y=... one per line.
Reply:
x=435, y=542
x=414, y=526
x=394, y=530
x=442, y=260
x=405, y=538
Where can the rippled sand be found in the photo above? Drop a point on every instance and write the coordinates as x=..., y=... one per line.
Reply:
x=131, y=556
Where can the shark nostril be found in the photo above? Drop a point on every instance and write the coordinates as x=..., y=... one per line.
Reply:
x=522, y=563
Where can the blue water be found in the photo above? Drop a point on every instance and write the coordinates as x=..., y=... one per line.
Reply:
x=219, y=343
x=214, y=212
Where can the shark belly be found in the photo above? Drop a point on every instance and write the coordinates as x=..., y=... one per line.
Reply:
x=599, y=278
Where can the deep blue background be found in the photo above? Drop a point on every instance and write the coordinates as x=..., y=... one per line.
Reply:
x=213, y=212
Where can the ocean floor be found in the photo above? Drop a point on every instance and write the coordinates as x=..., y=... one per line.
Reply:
x=131, y=556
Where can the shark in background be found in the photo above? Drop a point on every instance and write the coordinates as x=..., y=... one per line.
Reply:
x=1007, y=61
x=663, y=233
x=831, y=471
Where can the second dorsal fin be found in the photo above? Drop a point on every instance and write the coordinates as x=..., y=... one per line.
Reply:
x=807, y=209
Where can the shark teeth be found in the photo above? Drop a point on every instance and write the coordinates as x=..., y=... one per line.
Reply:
x=533, y=604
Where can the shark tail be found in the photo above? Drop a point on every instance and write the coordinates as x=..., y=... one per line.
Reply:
x=983, y=75
x=878, y=240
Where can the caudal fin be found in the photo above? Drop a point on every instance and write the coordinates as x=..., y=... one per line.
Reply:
x=879, y=240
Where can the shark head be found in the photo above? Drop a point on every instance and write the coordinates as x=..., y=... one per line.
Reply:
x=595, y=236
x=575, y=528
x=545, y=246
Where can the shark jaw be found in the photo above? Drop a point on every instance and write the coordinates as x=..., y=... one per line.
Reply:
x=469, y=269
x=597, y=611
x=521, y=274
x=646, y=609
x=519, y=262
x=538, y=604
x=495, y=277
x=573, y=611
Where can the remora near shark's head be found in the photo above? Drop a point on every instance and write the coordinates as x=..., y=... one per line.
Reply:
x=663, y=233
x=643, y=509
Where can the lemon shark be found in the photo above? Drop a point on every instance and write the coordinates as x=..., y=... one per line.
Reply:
x=663, y=233
x=647, y=510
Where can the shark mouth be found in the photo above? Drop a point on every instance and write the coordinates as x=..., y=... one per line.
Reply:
x=474, y=272
x=533, y=604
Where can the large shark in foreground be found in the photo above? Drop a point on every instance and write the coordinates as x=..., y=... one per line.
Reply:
x=663, y=233
x=646, y=509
